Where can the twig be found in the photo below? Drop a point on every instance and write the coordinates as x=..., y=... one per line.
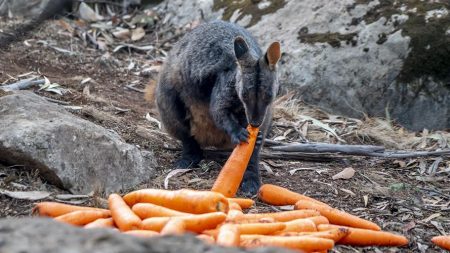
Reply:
x=330, y=148
x=57, y=101
x=22, y=84
x=396, y=155
x=131, y=87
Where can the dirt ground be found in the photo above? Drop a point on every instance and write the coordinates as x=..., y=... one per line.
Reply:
x=396, y=194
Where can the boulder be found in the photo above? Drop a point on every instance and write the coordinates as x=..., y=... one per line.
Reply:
x=69, y=152
x=39, y=235
x=351, y=57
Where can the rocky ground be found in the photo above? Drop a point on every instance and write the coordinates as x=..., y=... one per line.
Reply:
x=407, y=196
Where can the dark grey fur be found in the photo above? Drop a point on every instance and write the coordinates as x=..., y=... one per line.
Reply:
x=214, y=82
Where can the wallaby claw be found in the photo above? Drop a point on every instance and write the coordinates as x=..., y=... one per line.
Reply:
x=241, y=135
x=259, y=138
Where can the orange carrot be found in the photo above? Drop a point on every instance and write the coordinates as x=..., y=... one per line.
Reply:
x=335, y=234
x=206, y=239
x=174, y=227
x=142, y=233
x=194, y=223
x=319, y=220
x=366, y=237
x=54, y=209
x=442, y=241
x=82, y=217
x=234, y=206
x=228, y=236
x=299, y=225
x=279, y=196
x=147, y=210
x=305, y=243
x=336, y=216
x=280, y=216
x=122, y=215
x=189, y=201
x=244, y=203
x=249, y=220
x=231, y=175
x=101, y=223
x=252, y=228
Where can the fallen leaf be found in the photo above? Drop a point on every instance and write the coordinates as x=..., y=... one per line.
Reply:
x=286, y=208
x=122, y=34
x=434, y=215
x=70, y=196
x=87, y=13
x=137, y=34
x=410, y=225
x=366, y=199
x=173, y=173
x=267, y=168
x=348, y=191
x=151, y=119
x=347, y=173
x=30, y=195
x=292, y=172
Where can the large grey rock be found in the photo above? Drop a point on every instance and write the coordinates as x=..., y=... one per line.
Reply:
x=38, y=235
x=70, y=152
x=352, y=57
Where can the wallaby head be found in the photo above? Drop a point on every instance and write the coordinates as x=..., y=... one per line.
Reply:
x=256, y=80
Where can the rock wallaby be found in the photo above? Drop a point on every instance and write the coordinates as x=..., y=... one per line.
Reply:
x=215, y=81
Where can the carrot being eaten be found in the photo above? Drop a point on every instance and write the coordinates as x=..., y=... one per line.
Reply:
x=367, y=237
x=231, y=175
x=122, y=215
x=189, y=201
x=442, y=241
x=55, y=209
x=82, y=217
x=336, y=216
x=279, y=196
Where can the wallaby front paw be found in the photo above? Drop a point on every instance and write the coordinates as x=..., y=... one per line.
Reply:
x=240, y=135
x=187, y=162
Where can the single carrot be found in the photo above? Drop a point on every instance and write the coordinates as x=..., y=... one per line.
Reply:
x=142, y=233
x=206, y=239
x=442, y=241
x=252, y=228
x=279, y=196
x=189, y=201
x=82, y=217
x=101, y=223
x=228, y=236
x=319, y=220
x=280, y=216
x=299, y=225
x=335, y=234
x=367, y=237
x=122, y=215
x=243, y=202
x=234, y=206
x=147, y=210
x=54, y=209
x=336, y=216
x=305, y=243
x=231, y=175
x=195, y=223
x=174, y=227
x=250, y=220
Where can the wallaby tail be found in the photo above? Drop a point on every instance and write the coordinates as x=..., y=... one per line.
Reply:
x=52, y=9
x=149, y=93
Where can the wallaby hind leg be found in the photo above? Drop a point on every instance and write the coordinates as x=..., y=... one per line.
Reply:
x=173, y=116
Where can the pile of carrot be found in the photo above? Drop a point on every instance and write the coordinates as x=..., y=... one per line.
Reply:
x=217, y=217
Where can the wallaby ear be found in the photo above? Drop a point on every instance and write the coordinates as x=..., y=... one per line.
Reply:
x=273, y=54
x=240, y=47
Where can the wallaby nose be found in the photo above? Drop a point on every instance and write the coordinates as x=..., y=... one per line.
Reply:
x=254, y=123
